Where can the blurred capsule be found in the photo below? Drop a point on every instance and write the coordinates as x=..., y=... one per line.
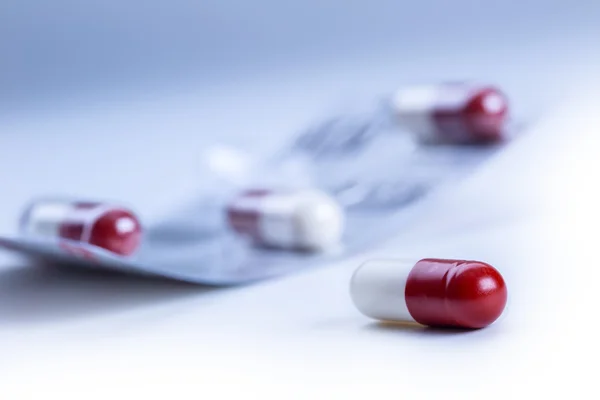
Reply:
x=295, y=220
x=431, y=292
x=459, y=113
x=107, y=226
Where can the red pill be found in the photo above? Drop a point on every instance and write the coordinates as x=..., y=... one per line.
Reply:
x=110, y=227
x=431, y=292
x=460, y=113
x=294, y=219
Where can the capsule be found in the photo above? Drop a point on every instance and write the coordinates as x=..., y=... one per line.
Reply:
x=110, y=227
x=304, y=220
x=456, y=113
x=431, y=292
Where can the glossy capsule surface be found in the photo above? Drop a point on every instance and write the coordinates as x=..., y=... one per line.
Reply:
x=456, y=113
x=110, y=227
x=431, y=292
x=290, y=219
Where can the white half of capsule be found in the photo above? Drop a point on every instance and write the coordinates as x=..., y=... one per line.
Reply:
x=308, y=219
x=44, y=219
x=377, y=289
x=414, y=106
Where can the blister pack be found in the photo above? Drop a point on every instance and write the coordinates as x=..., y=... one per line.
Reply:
x=338, y=189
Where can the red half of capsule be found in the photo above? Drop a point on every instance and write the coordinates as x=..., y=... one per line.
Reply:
x=481, y=120
x=106, y=233
x=486, y=114
x=455, y=293
x=106, y=230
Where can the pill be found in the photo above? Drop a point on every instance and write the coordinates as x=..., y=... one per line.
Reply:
x=431, y=292
x=458, y=113
x=307, y=220
x=110, y=227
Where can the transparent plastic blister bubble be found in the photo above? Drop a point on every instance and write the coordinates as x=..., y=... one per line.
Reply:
x=361, y=161
x=369, y=160
x=212, y=255
x=193, y=241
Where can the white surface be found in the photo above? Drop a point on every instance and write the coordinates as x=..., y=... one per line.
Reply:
x=301, y=336
x=532, y=213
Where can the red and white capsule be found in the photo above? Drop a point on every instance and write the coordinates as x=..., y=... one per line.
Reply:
x=110, y=227
x=460, y=113
x=296, y=220
x=431, y=292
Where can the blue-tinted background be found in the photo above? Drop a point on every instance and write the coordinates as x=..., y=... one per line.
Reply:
x=54, y=49
x=118, y=98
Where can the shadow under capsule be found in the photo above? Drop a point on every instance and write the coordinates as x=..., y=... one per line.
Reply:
x=38, y=292
x=410, y=328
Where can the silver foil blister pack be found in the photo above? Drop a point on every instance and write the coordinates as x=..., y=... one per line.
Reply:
x=372, y=167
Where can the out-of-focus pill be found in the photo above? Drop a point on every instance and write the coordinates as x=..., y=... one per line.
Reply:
x=431, y=292
x=110, y=227
x=296, y=220
x=453, y=112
